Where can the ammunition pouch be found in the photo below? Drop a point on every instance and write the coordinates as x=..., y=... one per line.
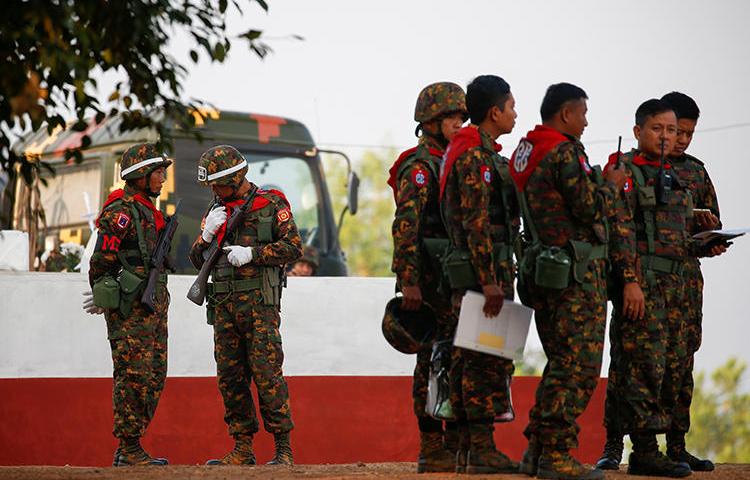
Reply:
x=552, y=268
x=130, y=289
x=654, y=263
x=106, y=292
x=646, y=196
x=459, y=271
x=436, y=249
x=584, y=253
x=271, y=286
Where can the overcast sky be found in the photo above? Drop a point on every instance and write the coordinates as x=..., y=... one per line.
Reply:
x=355, y=78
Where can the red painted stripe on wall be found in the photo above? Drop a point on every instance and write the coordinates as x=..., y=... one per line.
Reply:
x=59, y=421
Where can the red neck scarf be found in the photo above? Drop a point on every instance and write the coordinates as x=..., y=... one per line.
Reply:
x=393, y=172
x=140, y=198
x=639, y=159
x=543, y=139
x=259, y=201
x=466, y=138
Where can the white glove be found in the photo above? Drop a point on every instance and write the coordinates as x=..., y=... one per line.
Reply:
x=88, y=304
x=214, y=220
x=239, y=256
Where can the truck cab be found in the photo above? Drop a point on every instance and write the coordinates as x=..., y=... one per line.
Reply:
x=280, y=151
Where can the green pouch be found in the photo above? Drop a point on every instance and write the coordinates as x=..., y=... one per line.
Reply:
x=106, y=292
x=552, y=268
x=458, y=270
x=436, y=248
x=646, y=196
x=582, y=253
x=271, y=286
x=130, y=286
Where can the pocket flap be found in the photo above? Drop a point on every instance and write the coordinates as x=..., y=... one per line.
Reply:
x=129, y=282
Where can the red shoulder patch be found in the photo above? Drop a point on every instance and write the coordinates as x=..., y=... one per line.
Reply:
x=419, y=177
x=108, y=243
x=628, y=185
x=283, y=215
x=122, y=220
x=486, y=174
x=584, y=164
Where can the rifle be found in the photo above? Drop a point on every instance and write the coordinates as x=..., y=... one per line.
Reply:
x=160, y=259
x=197, y=292
x=664, y=181
x=619, y=152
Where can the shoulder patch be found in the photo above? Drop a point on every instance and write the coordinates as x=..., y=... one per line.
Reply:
x=628, y=185
x=122, y=221
x=521, y=158
x=584, y=164
x=284, y=215
x=486, y=173
x=108, y=243
x=419, y=177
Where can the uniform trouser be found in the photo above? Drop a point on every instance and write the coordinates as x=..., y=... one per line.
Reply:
x=446, y=323
x=480, y=383
x=693, y=328
x=648, y=359
x=139, y=360
x=247, y=348
x=571, y=324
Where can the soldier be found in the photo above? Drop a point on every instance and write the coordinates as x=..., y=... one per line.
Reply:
x=649, y=248
x=307, y=266
x=418, y=238
x=565, y=205
x=129, y=226
x=244, y=301
x=481, y=218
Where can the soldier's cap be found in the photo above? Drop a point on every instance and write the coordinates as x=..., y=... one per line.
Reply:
x=408, y=331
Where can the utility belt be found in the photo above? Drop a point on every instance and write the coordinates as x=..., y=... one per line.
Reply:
x=458, y=270
x=662, y=264
x=120, y=293
x=551, y=267
x=269, y=282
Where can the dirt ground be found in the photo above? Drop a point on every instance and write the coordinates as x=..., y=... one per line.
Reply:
x=378, y=470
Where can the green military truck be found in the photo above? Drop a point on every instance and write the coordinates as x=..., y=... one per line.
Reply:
x=280, y=151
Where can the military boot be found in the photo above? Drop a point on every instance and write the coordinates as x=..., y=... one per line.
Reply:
x=530, y=461
x=562, y=466
x=433, y=456
x=450, y=437
x=130, y=452
x=656, y=464
x=241, y=454
x=677, y=452
x=283, y=455
x=483, y=457
x=612, y=455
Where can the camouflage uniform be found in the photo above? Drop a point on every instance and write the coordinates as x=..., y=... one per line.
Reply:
x=244, y=303
x=648, y=355
x=568, y=205
x=481, y=215
x=692, y=175
x=137, y=337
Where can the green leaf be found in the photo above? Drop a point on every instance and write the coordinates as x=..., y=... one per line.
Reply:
x=251, y=35
x=194, y=56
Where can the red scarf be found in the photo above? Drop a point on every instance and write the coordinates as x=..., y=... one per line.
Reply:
x=638, y=159
x=466, y=138
x=259, y=201
x=140, y=198
x=393, y=172
x=543, y=139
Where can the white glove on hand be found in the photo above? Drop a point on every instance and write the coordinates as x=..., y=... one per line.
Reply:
x=214, y=220
x=239, y=256
x=88, y=304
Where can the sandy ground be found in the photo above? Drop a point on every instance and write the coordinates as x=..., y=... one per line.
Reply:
x=378, y=470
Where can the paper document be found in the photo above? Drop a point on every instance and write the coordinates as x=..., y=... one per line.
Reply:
x=714, y=236
x=503, y=336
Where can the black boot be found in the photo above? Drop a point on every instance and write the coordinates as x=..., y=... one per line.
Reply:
x=131, y=453
x=530, y=461
x=612, y=455
x=676, y=451
x=647, y=460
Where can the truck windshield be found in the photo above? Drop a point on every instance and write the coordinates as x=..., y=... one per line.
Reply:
x=293, y=176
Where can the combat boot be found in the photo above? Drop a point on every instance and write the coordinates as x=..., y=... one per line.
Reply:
x=530, y=461
x=483, y=457
x=677, y=452
x=130, y=453
x=612, y=455
x=562, y=466
x=656, y=464
x=241, y=454
x=433, y=456
x=283, y=455
x=450, y=437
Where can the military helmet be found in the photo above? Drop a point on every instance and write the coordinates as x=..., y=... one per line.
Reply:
x=408, y=332
x=439, y=99
x=222, y=165
x=141, y=159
